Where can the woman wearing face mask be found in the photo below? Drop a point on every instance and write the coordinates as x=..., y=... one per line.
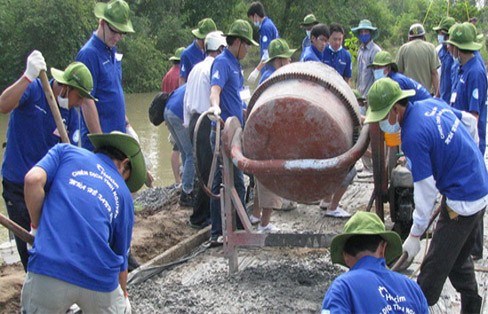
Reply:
x=366, y=33
x=384, y=66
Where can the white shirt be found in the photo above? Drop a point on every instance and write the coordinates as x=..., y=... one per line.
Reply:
x=197, y=95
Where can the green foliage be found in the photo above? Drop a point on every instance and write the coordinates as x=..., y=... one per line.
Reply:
x=59, y=28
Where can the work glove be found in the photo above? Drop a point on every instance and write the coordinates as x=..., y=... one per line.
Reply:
x=412, y=247
x=128, y=308
x=35, y=64
x=214, y=113
x=33, y=232
x=253, y=76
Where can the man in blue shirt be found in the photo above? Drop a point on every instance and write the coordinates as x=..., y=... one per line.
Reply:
x=308, y=22
x=443, y=157
x=195, y=52
x=470, y=94
x=100, y=55
x=226, y=82
x=335, y=55
x=384, y=66
x=32, y=130
x=82, y=206
x=319, y=38
x=369, y=286
x=445, y=57
x=267, y=32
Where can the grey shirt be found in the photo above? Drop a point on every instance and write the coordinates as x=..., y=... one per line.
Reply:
x=365, y=57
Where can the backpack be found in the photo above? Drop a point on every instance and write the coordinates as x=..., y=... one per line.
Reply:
x=157, y=106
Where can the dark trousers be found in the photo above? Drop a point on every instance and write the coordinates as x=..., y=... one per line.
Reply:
x=201, y=206
x=13, y=194
x=449, y=255
x=478, y=240
x=215, y=208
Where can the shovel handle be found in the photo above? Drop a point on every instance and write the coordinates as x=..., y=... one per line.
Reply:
x=54, y=107
x=20, y=232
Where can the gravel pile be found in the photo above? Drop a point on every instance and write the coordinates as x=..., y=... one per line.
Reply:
x=155, y=199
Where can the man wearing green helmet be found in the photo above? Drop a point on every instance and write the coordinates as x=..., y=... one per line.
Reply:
x=443, y=157
x=32, y=130
x=100, y=55
x=226, y=81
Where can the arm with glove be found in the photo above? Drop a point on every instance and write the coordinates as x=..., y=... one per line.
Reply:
x=11, y=96
x=425, y=193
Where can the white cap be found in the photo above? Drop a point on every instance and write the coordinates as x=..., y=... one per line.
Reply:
x=214, y=40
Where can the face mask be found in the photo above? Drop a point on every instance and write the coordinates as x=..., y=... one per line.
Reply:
x=378, y=73
x=63, y=102
x=308, y=33
x=440, y=39
x=386, y=127
x=364, y=38
x=257, y=23
x=362, y=110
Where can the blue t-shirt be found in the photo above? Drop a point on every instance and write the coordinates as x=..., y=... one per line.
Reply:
x=266, y=72
x=32, y=132
x=190, y=56
x=437, y=144
x=369, y=287
x=312, y=54
x=105, y=65
x=267, y=32
x=471, y=95
x=405, y=83
x=446, y=80
x=85, y=228
x=340, y=60
x=175, y=102
x=226, y=72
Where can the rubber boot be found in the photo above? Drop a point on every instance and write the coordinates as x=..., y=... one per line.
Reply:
x=470, y=304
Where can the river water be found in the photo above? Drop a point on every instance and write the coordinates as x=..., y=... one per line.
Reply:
x=154, y=142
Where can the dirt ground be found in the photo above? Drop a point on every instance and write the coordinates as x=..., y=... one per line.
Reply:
x=160, y=224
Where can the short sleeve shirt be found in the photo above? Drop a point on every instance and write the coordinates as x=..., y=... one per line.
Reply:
x=405, y=83
x=312, y=54
x=32, y=132
x=446, y=80
x=470, y=95
x=226, y=72
x=105, y=65
x=190, y=56
x=340, y=60
x=86, y=224
x=369, y=287
x=267, y=32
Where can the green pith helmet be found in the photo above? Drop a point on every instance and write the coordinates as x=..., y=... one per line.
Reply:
x=383, y=94
x=278, y=48
x=130, y=148
x=384, y=58
x=242, y=29
x=366, y=24
x=205, y=26
x=177, y=55
x=75, y=75
x=463, y=36
x=309, y=20
x=116, y=13
x=445, y=24
x=365, y=224
x=416, y=30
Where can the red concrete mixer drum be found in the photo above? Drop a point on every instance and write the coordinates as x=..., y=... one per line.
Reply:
x=304, y=111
